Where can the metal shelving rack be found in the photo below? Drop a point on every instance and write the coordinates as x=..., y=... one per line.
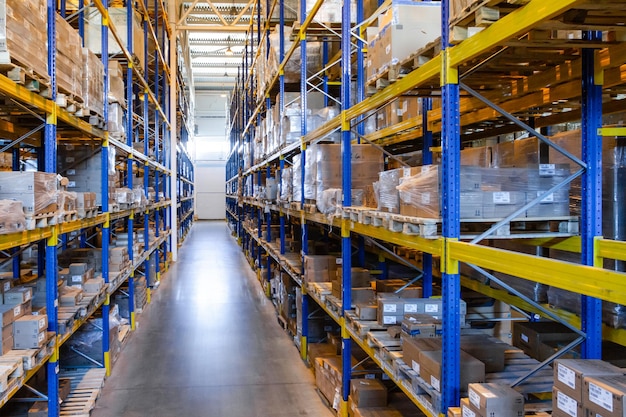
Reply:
x=151, y=119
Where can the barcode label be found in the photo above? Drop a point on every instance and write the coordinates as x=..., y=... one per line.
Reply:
x=600, y=396
x=566, y=376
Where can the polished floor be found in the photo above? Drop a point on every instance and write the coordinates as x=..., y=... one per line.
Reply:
x=210, y=345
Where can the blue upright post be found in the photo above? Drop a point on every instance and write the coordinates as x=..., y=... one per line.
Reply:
x=346, y=185
x=104, y=192
x=81, y=21
x=451, y=287
x=50, y=165
x=591, y=213
x=129, y=173
x=281, y=167
x=427, y=159
x=16, y=251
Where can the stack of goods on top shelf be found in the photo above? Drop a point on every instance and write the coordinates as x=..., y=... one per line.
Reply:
x=93, y=85
x=24, y=26
x=69, y=64
x=402, y=30
x=329, y=12
x=117, y=101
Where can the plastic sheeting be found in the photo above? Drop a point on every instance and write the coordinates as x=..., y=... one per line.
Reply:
x=12, y=217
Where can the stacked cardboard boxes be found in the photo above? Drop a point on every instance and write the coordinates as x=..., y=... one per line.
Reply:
x=69, y=61
x=16, y=303
x=492, y=400
x=93, y=82
x=37, y=191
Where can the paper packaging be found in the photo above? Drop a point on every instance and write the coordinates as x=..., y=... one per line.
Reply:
x=366, y=311
x=18, y=295
x=565, y=406
x=496, y=400
x=490, y=352
x=605, y=395
x=412, y=347
x=570, y=373
x=29, y=325
x=29, y=341
x=420, y=325
x=319, y=268
x=390, y=310
x=7, y=345
x=368, y=393
x=472, y=370
x=36, y=190
x=69, y=62
x=528, y=335
x=12, y=312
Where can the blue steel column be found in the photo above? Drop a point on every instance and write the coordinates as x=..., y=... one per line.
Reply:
x=360, y=69
x=268, y=237
x=427, y=159
x=129, y=173
x=591, y=213
x=50, y=165
x=104, y=191
x=81, y=21
x=304, y=340
x=146, y=151
x=281, y=167
x=15, y=166
x=346, y=186
x=281, y=104
x=451, y=287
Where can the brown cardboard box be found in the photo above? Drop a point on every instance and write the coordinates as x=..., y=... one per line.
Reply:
x=528, y=335
x=570, y=373
x=472, y=370
x=564, y=405
x=496, y=400
x=367, y=393
x=467, y=409
x=366, y=311
x=420, y=325
x=412, y=347
x=490, y=352
x=390, y=310
x=6, y=345
x=455, y=411
x=360, y=277
x=11, y=312
x=605, y=395
x=319, y=268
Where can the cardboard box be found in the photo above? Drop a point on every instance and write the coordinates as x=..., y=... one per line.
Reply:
x=29, y=341
x=368, y=393
x=472, y=370
x=319, y=268
x=18, y=295
x=6, y=345
x=421, y=325
x=605, y=395
x=564, y=405
x=496, y=400
x=467, y=409
x=29, y=325
x=10, y=313
x=93, y=285
x=412, y=347
x=528, y=335
x=490, y=352
x=366, y=311
x=390, y=310
x=570, y=373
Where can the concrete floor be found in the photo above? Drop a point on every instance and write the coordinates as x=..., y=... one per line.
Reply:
x=210, y=345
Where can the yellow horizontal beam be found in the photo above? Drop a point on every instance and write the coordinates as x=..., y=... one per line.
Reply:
x=567, y=244
x=611, y=249
x=432, y=246
x=594, y=282
x=514, y=24
x=13, y=240
x=612, y=131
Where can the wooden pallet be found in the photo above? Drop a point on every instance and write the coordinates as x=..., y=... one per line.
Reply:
x=86, y=387
x=10, y=371
x=72, y=104
x=25, y=76
x=41, y=220
x=87, y=214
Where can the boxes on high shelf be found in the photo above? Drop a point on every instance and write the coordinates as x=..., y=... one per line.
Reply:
x=406, y=28
x=372, y=58
x=495, y=400
x=529, y=335
x=329, y=12
x=93, y=82
x=366, y=311
x=394, y=285
x=69, y=59
x=421, y=325
x=490, y=351
x=116, y=91
x=362, y=291
x=36, y=190
x=569, y=374
x=29, y=332
x=12, y=312
x=118, y=16
x=70, y=296
x=23, y=30
x=17, y=295
x=412, y=347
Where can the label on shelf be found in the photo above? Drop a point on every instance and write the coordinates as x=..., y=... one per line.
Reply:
x=389, y=320
x=501, y=197
x=410, y=308
x=56, y=302
x=389, y=308
x=474, y=398
x=77, y=278
x=567, y=404
x=524, y=338
x=566, y=376
x=546, y=170
x=434, y=382
x=600, y=396
x=17, y=310
x=415, y=366
x=468, y=413
x=431, y=308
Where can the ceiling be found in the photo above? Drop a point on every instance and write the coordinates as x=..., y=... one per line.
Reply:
x=213, y=35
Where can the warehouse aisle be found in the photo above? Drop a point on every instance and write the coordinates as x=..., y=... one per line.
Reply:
x=210, y=345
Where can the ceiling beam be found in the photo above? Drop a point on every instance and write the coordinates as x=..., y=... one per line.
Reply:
x=187, y=12
x=214, y=28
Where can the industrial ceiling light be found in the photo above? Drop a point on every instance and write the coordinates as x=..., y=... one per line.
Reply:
x=228, y=51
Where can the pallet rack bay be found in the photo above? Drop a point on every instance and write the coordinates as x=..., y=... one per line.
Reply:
x=47, y=125
x=531, y=68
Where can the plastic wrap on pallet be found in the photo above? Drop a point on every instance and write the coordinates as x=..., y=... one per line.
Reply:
x=12, y=217
x=286, y=185
x=116, y=91
x=23, y=36
x=329, y=12
x=36, y=190
x=116, y=120
x=387, y=186
x=66, y=201
x=329, y=201
x=118, y=16
x=296, y=175
x=421, y=191
x=310, y=172
x=93, y=82
x=124, y=195
x=69, y=59
x=613, y=315
x=292, y=67
x=503, y=155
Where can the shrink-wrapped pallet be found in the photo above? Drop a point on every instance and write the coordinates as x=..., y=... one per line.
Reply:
x=116, y=91
x=93, y=82
x=12, y=217
x=36, y=190
x=23, y=35
x=292, y=69
x=69, y=59
x=329, y=12
x=388, y=196
x=118, y=15
x=286, y=185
